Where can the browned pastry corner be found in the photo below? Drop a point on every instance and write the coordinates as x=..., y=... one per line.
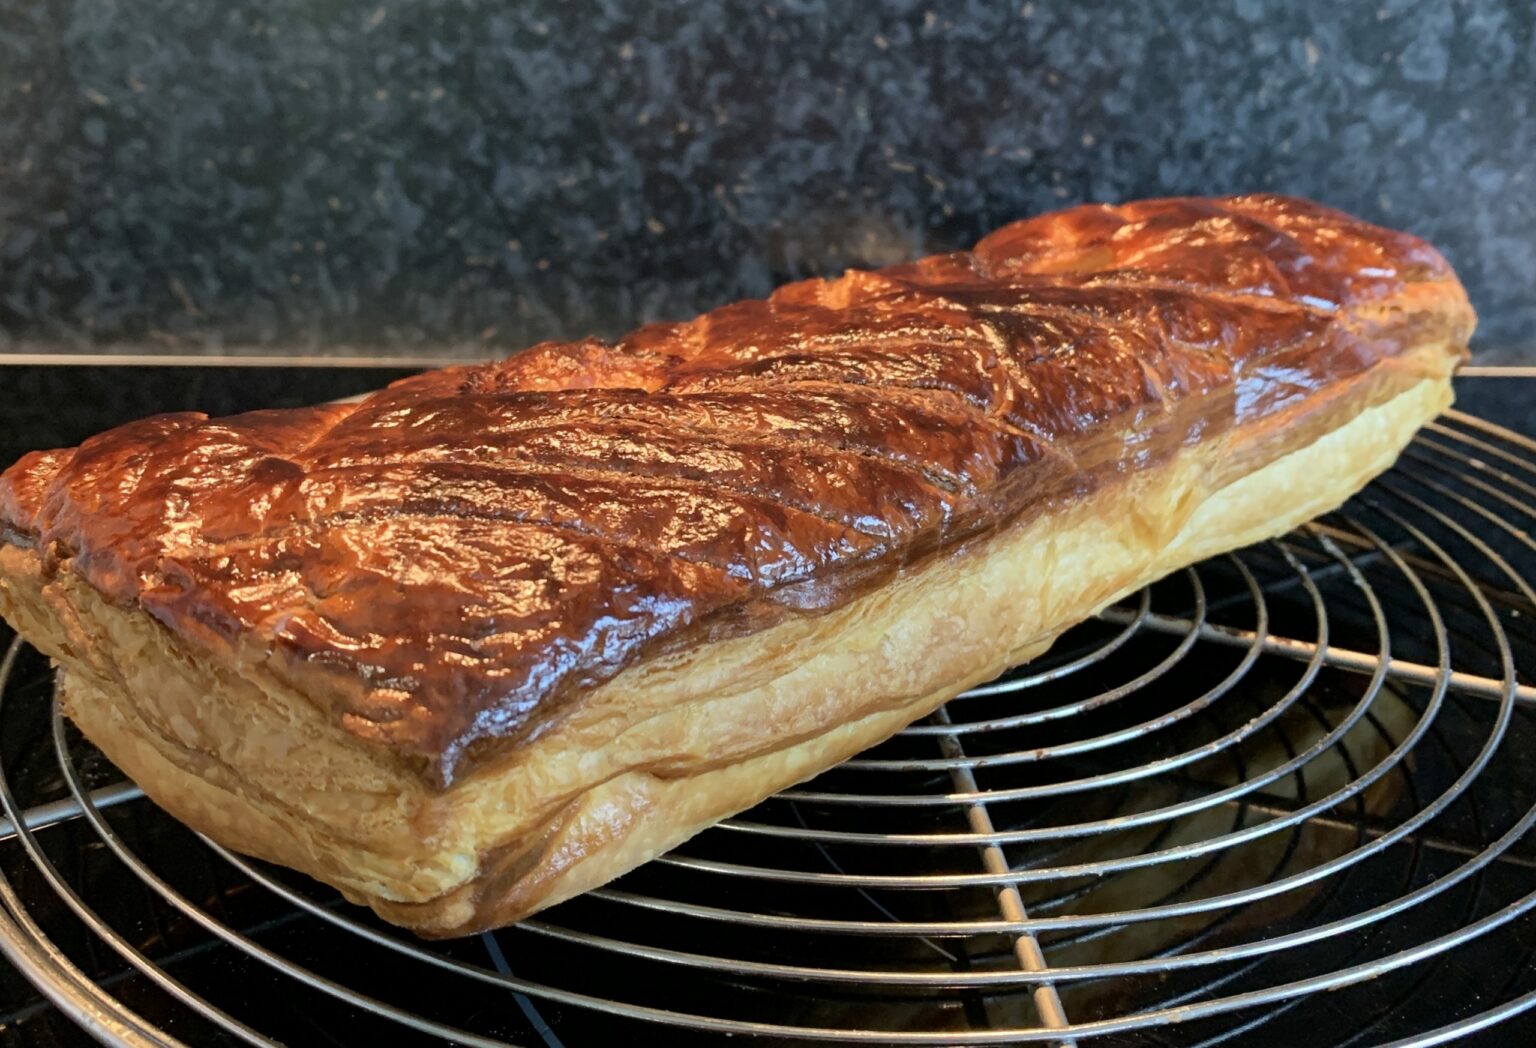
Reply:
x=495, y=635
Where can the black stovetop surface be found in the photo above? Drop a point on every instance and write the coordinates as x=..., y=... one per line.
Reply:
x=59, y=406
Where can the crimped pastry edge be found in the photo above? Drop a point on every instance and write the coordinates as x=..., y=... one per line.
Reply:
x=226, y=748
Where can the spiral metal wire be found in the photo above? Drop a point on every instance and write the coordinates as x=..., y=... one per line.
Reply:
x=1295, y=769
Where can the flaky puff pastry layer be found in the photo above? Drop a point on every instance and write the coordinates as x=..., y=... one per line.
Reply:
x=669, y=747
x=495, y=635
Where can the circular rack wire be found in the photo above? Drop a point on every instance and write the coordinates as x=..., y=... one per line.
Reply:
x=1294, y=769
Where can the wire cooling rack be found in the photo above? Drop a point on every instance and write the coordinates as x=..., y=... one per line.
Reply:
x=1284, y=796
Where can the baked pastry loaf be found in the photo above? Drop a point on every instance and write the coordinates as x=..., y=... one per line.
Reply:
x=494, y=635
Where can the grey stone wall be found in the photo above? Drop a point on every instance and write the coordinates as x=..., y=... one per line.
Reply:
x=425, y=177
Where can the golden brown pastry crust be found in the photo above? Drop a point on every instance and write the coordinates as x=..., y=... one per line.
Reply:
x=892, y=487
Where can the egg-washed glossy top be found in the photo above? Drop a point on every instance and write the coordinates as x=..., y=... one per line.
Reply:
x=455, y=558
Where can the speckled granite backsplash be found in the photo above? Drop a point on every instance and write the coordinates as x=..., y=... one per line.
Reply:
x=467, y=178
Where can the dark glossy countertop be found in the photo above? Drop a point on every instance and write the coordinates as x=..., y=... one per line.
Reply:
x=464, y=180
